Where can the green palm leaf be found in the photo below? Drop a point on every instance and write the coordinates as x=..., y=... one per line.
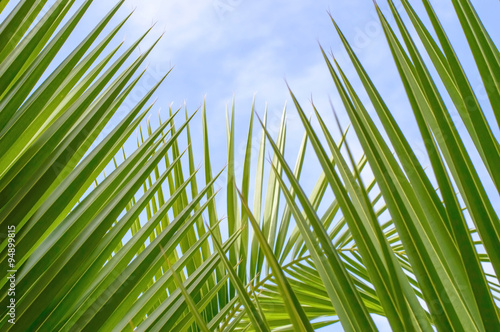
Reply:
x=113, y=239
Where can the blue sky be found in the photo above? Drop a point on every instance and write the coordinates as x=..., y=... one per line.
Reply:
x=242, y=48
x=225, y=48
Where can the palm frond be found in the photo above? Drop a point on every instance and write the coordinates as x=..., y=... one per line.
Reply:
x=109, y=238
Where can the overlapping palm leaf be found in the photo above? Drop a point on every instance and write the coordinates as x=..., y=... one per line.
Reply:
x=110, y=238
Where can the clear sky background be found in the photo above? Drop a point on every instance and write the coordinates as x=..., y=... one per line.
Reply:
x=242, y=48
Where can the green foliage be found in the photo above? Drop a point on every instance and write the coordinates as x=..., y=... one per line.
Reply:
x=141, y=247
